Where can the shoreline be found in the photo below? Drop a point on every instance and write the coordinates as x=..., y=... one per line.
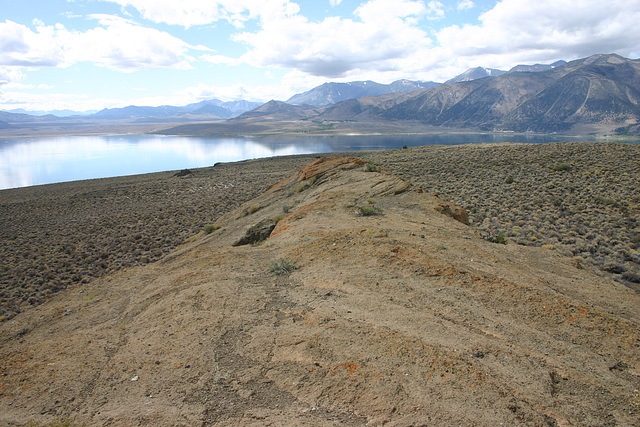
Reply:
x=578, y=199
x=439, y=138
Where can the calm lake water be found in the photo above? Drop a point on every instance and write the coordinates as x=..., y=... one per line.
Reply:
x=34, y=161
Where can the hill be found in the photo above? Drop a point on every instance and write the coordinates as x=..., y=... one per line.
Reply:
x=343, y=295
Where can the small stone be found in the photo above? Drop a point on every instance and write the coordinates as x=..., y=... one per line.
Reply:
x=135, y=378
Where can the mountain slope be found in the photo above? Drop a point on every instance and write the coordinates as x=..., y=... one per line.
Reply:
x=476, y=73
x=298, y=309
x=536, y=67
x=277, y=110
x=600, y=93
x=605, y=91
x=332, y=93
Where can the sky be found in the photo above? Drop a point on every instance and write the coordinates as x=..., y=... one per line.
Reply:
x=92, y=54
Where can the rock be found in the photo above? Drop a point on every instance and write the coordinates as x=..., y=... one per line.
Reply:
x=259, y=232
x=183, y=172
x=454, y=211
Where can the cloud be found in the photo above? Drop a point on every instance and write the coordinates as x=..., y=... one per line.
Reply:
x=122, y=45
x=465, y=4
x=396, y=38
x=10, y=74
x=189, y=13
x=436, y=10
x=522, y=30
x=115, y=43
x=386, y=31
x=14, y=85
x=19, y=46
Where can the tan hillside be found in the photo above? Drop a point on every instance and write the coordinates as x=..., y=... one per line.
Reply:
x=369, y=302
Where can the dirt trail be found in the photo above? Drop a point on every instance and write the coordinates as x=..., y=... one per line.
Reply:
x=392, y=311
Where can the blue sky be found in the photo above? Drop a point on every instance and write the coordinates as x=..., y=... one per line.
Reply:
x=92, y=54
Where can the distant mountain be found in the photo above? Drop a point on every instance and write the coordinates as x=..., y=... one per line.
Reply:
x=278, y=110
x=332, y=93
x=481, y=72
x=213, y=108
x=4, y=125
x=58, y=113
x=476, y=73
x=133, y=111
x=239, y=106
x=600, y=92
x=224, y=109
x=536, y=68
x=24, y=118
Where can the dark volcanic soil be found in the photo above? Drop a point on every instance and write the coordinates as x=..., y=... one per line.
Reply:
x=580, y=199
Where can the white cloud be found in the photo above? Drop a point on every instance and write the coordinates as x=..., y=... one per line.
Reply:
x=14, y=85
x=436, y=10
x=465, y=4
x=331, y=48
x=19, y=46
x=188, y=13
x=335, y=2
x=116, y=43
x=522, y=30
x=121, y=45
x=10, y=74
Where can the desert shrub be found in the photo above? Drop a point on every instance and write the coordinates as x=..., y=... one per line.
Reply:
x=562, y=167
x=208, y=229
x=369, y=210
x=496, y=238
x=632, y=277
x=372, y=167
x=253, y=209
x=303, y=185
x=614, y=267
x=284, y=266
x=509, y=180
x=286, y=208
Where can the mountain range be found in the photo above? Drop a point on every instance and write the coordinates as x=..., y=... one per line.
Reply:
x=599, y=94
x=332, y=93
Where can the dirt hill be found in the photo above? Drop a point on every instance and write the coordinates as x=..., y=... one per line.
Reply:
x=341, y=296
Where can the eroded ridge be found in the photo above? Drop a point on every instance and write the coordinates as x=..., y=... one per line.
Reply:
x=384, y=307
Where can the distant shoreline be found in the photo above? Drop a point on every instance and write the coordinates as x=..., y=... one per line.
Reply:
x=223, y=128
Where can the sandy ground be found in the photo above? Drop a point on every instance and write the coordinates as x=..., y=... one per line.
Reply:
x=407, y=316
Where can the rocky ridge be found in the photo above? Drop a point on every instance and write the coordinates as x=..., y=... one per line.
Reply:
x=371, y=301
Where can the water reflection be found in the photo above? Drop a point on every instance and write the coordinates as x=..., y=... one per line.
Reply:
x=25, y=162
x=33, y=161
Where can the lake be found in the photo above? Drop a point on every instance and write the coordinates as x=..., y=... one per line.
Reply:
x=44, y=160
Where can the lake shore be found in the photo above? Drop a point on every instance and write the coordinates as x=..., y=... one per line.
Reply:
x=579, y=199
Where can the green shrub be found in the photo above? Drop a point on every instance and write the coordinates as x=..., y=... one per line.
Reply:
x=286, y=208
x=208, y=229
x=496, y=238
x=372, y=167
x=253, y=209
x=303, y=185
x=369, y=210
x=562, y=167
